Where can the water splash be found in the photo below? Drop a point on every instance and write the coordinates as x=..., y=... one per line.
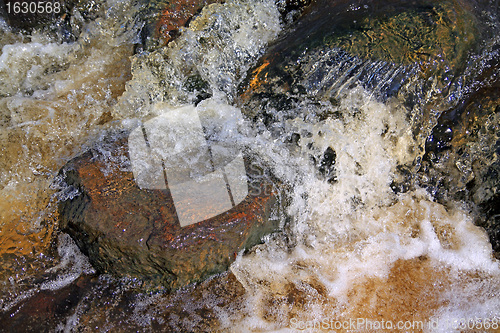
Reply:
x=351, y=247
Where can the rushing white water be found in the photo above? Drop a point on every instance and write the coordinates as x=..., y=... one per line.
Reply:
x=353, y=250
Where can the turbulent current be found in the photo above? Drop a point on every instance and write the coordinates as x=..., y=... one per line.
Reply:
x=353, y=255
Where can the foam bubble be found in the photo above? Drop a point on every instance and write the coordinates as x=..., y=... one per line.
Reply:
x=355, y=235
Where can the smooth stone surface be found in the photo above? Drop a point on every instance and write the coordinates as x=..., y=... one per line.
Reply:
x=461, y=160
x=130, y=231
x=407, y=52
x=47, y=309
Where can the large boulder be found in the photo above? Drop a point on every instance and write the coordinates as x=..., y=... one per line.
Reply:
x=419, y=56
x=147, y=208
x=411, y=53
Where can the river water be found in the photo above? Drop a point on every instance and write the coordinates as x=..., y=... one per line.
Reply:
x=353, y=252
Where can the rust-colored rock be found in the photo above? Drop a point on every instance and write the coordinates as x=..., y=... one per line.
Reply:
x=126, y=230
x=176, y=15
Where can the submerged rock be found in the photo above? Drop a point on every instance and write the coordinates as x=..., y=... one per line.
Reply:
x=165, y=19
x=176, y=219
x=461, y=160
x=29, y=15
x=47, y=309
x=407, y=52
x=417, y=55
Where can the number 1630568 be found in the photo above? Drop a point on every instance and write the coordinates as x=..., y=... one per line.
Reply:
x=34, y=7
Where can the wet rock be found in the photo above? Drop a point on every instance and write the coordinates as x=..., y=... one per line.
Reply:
x=94, y=300
x=425, y=34
x=164, y=20
x=440, y=138
x=410, y=53
x=195, y=308
x=415, y=54
x=167, y=233
x=381, y=45
x=461, y=158
x=490, y=220
x=45, y=311
x=291, y=9
x=326, y=166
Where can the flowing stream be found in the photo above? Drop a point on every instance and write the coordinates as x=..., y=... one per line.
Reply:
x=353, y=252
